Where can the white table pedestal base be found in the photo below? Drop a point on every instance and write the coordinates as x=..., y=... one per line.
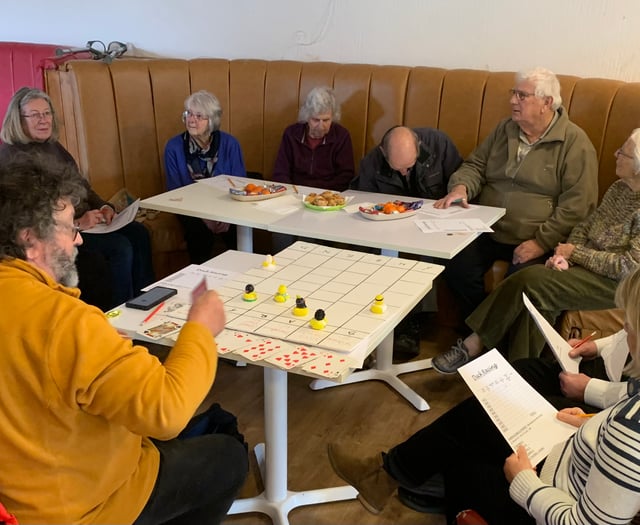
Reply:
x=276, y=501
x=385, y=371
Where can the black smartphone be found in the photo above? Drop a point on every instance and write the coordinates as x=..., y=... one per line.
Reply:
x=151, y=298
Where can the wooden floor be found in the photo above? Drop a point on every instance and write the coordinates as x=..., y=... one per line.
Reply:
x=369, y=416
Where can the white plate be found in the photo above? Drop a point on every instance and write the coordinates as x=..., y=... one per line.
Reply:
x=240, y=195
x=412, y=208
x=325, y=208
x=387, y=216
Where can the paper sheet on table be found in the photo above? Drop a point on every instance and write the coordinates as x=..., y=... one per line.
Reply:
x=120, y=220
x=224, y=182
x=452, y=226
x=558, y=345
x=444, y=212
x=190, y=276
x=283, y=205
x=521, y=414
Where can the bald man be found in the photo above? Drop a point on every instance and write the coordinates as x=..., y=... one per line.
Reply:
x=413, y=163
x=410, y=162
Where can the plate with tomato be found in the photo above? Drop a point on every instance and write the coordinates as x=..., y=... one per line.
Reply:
x=255, y=192
x=390, y=211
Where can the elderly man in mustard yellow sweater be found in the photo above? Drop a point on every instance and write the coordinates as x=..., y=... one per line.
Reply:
x=87, y=419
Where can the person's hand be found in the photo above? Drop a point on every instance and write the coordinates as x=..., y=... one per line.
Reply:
x=564, y=249
x=527, y=251
x=574, y=416
x=208, y=310
x=586, y=350
x=573, y=386
x=516, y=463
x=458, y=195
x=89, y=219
x=107, y=214
x=557, y=262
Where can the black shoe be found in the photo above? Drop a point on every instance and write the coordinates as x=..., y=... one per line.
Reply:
x=406, y=338
x=421, y=502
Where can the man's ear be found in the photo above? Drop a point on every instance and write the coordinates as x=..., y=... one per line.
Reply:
x=32, y=245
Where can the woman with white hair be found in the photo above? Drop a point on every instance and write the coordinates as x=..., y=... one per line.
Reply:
x=200, y=152
x=316, y=151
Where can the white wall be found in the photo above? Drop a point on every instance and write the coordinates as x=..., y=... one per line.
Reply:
x=588, y=38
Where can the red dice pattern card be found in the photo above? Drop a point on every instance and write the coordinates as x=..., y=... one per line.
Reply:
x=329, y=365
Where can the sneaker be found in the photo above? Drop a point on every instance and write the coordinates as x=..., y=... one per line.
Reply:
x=450, y=361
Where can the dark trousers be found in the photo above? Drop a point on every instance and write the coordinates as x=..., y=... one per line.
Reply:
x=543, y=375
x=198, y=480
x=468, y=450
x=464, y=274
x=94, y=278
x=201, y=240
x=128, y=254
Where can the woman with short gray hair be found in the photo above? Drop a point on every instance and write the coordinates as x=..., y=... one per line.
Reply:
x=200, y=152
x=316, y=151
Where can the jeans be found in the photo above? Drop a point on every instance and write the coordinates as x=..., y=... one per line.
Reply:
x=198, y=480
x=128, y=254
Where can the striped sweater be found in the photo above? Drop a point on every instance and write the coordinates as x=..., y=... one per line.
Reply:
x=592, y=478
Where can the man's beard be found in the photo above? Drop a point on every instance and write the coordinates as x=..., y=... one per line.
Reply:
x=64, y=267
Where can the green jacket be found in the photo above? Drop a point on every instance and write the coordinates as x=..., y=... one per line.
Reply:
x=554, y=187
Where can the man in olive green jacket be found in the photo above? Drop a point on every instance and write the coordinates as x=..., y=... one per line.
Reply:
x=540, y=167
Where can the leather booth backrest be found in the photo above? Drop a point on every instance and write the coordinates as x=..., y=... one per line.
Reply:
x=116, y=118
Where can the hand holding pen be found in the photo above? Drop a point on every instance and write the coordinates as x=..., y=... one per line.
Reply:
x=584, y=347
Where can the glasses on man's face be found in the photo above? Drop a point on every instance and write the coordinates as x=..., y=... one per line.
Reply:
x=74, y=229
x=37, y=116
x=521, y=95
x=620, y=153
x=198, y=116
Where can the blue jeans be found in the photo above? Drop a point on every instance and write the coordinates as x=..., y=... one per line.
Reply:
x=197, y=482
x=128, y=254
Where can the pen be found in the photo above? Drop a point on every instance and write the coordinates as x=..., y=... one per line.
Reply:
x=153, y=312
x=582, y=341
x=586, y=415
x=295, y=189
x=233, y=184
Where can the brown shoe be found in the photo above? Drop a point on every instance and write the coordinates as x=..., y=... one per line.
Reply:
x=375, y=487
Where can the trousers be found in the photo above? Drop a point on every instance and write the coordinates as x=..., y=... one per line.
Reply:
x=198, y=480
x=464, y=274
x=128, y=255
x=502, y=320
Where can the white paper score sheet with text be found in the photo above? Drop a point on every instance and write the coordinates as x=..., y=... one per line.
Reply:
x=521, y=414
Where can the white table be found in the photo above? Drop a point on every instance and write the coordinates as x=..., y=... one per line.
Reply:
x=209, y=199
x=276, y=500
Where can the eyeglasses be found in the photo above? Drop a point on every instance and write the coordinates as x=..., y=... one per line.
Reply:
x=198, y=116
x=522, y=95
x=36, y=115
x=620, y=153
x=74, y=229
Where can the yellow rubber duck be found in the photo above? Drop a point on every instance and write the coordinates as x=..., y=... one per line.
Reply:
x=319, y=320
x=378, y=306
x=281, y=296
x=249, y=294
x=269, y=262
x=300, y=309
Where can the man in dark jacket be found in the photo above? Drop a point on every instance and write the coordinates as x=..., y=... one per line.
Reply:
x=414, y=163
